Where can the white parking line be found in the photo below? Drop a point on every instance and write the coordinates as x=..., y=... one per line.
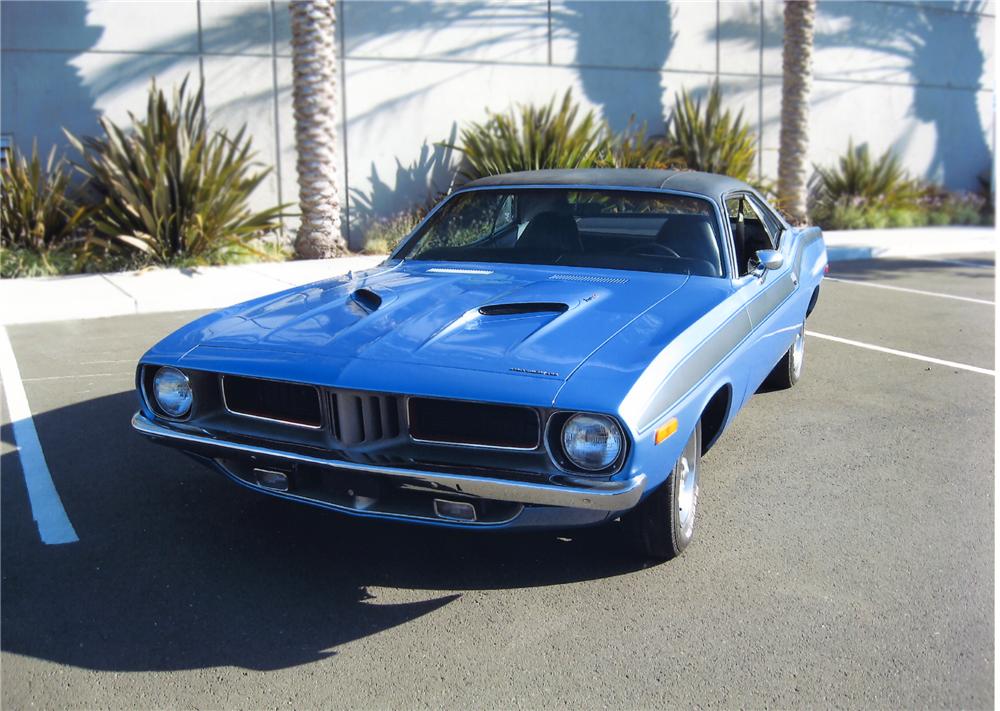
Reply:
x=876, y=285
x=903, y=354
x=54, y=526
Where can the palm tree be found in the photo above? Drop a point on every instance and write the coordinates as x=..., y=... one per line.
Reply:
x=796, y=66
x=314, y=97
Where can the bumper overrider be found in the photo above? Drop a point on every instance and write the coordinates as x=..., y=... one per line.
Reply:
x=593, y=500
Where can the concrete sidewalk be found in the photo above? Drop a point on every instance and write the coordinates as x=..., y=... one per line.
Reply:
x=155, y=290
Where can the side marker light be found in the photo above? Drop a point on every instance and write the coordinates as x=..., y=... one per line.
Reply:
x=663, y=432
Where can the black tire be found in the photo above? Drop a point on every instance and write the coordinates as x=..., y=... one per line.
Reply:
x=658, y=528
x=788, y=371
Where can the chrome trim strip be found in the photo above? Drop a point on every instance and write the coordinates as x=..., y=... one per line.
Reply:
x=319, y=397
x=580, y=494
x=472, y=445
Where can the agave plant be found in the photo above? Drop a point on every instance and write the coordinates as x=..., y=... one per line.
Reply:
x=171, y=188
x=704, y=137
x=37, y=207
x=634, y=148
x=532, y=138
x=880, y=182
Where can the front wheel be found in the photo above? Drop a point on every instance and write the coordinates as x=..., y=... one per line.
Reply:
x=662, y=526
x=788, y=371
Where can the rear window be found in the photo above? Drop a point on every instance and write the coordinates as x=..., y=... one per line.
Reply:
x=630, y=230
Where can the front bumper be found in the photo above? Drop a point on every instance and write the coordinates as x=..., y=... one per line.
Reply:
x=567, y=491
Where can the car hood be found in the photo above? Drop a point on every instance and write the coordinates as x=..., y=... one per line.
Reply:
x=524, y=319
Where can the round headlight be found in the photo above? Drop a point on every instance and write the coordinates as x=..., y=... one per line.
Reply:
x=172, y=391
x=591, y=442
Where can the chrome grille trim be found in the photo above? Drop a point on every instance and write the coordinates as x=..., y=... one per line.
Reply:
x=361, y=418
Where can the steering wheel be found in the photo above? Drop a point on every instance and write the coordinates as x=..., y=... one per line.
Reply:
x=646, y=246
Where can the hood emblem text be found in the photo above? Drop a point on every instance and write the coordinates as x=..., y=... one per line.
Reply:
x=530, y=371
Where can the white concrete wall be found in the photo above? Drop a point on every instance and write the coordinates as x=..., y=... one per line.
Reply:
x=914, y=76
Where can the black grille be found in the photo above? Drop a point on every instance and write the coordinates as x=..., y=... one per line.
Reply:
x=457, y=422
x=273, y=400
x=361, y=417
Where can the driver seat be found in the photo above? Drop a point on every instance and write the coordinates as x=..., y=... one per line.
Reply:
x=692, y=237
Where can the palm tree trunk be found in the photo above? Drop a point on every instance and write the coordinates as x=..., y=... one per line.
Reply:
x=314, y=96
x=796, y=65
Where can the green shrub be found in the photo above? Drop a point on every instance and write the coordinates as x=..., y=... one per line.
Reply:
x=383, y=235
x=873, y=186
x=41, y=220
x=532, y=138
x=706, y=138
x=633, y=148
x=16, y=262
x=172, y=190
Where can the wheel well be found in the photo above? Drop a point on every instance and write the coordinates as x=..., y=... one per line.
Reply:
x=812, y=301
x=713, y=417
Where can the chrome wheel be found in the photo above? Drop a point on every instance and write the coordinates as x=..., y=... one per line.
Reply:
x=686, y=472
x=799, y=351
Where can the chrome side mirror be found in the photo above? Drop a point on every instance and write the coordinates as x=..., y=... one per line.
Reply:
x=769, y=259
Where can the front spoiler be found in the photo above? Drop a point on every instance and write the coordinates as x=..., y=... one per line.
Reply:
x=577, y=492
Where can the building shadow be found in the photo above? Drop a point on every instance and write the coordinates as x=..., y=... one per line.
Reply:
x=621, y=49
x=178, y=568
x=29, y=112
x=935, y=45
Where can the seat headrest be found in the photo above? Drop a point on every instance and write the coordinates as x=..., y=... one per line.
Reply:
x=551, y=230
x=693, y=237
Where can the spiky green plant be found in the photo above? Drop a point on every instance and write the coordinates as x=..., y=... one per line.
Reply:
x=38, y=210
x=532, y=138
x=881, y=181
x=173, y=189
x=634, y=148
x=704, y=137
x=383, y=235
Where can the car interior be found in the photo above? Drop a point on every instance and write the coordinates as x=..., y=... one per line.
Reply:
x=640, y=232
x=750, y=232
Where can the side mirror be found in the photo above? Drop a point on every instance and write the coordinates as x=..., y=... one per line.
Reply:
x=770, y=259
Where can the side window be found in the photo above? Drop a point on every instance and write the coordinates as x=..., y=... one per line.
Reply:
x=770, y=221
x=751, y=233
x=505, y=214
x=468, y=221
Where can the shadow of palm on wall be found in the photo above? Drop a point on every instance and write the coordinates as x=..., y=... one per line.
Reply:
x=934, y=44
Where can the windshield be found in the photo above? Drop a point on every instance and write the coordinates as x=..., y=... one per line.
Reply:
x=638, y=231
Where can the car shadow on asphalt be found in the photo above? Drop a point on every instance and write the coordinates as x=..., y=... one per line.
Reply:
x=178, y=568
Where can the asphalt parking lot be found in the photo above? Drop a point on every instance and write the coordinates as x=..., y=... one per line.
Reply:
x=843, y=557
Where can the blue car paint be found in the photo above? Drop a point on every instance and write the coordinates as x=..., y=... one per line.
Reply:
x=615, y=347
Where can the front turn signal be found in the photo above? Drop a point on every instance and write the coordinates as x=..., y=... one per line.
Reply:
x=665, y=431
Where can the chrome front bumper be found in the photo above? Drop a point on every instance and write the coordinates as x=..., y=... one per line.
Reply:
x=575, y=492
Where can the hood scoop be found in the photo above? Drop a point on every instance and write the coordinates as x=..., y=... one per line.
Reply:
x=367, y=299
x=518, y=309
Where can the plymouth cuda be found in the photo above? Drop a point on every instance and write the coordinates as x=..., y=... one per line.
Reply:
x=546, y=349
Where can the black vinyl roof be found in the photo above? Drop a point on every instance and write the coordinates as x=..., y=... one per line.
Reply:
x=691, y=181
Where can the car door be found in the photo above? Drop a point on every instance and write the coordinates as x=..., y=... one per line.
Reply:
x=766, y=294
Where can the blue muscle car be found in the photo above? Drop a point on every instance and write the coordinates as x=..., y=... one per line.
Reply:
x=546, y=349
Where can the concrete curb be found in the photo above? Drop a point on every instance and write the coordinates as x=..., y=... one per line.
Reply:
x=845, y=245
x=157, y=290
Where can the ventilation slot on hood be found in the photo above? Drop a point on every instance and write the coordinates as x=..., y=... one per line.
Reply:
x=367, y=299
x=589, y=278
x=530, y=308
x=362, y=418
